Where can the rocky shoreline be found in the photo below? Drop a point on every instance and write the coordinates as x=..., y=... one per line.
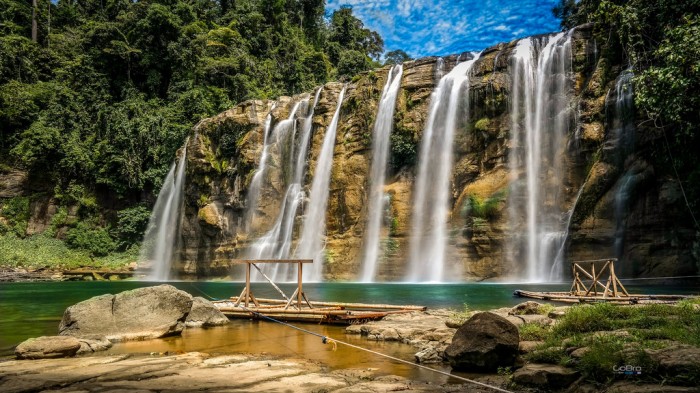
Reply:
x=45, y=274
x=527, y=348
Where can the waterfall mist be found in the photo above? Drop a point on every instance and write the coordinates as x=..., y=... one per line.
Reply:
x=312, y=240
x=383, y=125
x=277, y=242
x=160, y=242
x=432, y=201
x=540, y=121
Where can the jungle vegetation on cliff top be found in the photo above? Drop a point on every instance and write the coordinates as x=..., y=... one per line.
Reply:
x=95, y=109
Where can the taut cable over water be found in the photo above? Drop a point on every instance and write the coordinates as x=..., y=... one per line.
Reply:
x=329, y=340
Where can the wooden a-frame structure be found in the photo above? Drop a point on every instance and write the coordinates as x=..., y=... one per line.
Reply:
x=600, y=274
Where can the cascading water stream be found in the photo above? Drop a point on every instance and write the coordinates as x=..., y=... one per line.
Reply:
x=256, y=182
x=277, y=242
x=624, y=135
x=268, y=246
x=383, y=126
x=311, y=242
x=163, y=232
x=431, y=202
x=540, y=120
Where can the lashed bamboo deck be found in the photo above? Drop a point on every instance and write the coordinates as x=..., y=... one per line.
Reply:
x=322, y=312
x=566, y=297
x=297, y=307
x=592, y=286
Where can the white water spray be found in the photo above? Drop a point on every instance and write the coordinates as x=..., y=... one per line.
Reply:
x=277, y=242
x=540, y=119
x=431, y=202
x=383, y=126
x=313, y=234
x=163, y=232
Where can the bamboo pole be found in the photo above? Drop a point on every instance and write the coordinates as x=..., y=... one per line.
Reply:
x=247, y=283
x=300, y=291
x=348, y=305
x=281, y=311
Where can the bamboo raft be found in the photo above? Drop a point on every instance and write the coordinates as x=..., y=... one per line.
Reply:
x=566, y=297
x=298, y=307
x=589, y=286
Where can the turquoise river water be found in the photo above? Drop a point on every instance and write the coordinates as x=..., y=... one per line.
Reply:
x=31, y=309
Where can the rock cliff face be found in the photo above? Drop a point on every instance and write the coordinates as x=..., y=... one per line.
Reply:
x=652, y=235
x=622, y=202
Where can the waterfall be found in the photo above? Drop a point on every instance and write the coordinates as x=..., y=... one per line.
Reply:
x=163, y=232
x=383, y=125
x=256, y=182
x=277, y=242
x=540, y=120
x=623, y=133
x=313, y=233
x=431, y=202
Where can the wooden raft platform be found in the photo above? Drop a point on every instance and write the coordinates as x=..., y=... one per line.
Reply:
x=317, y=312
x=566, y=297
x=298, y=307
x=591, y=285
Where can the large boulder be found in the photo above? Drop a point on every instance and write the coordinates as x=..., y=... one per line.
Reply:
x=47, y=347
x=204, y=313
x=484, y=343
x=141, y=313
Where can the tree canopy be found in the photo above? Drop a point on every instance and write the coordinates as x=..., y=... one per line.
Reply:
x=658, y=41
x=111, y=88
x=97, y=106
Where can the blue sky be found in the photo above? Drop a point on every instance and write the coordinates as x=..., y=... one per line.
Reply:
x=441, y=27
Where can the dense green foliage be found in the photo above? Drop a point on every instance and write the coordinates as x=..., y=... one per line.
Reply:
x=97, y=107
x=40, y=251
x=658, y=40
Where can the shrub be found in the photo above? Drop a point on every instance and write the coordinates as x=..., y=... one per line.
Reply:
x=487, y=209
x=131, y=224
x=533, y=332
x=95, y=240
x=482, y=124
x=16, y=212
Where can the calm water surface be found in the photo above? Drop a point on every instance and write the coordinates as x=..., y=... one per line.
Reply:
x=35, y=309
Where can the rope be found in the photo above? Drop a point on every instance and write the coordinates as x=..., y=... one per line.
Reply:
x=335, y=342
x=656, y=278
x=326, y=339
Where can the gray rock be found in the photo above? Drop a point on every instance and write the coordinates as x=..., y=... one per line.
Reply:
x=528, y=346
x=678, y=359
x=545, y=375
x=47, y=347
x=93, y=344
x=578, y=353
x=526, y=308
x=204, y=313
x=141, y=313
x=453, y=323
x=484, y=343
x=429, y=354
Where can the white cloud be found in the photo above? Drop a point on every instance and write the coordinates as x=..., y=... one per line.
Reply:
x=437, y=27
